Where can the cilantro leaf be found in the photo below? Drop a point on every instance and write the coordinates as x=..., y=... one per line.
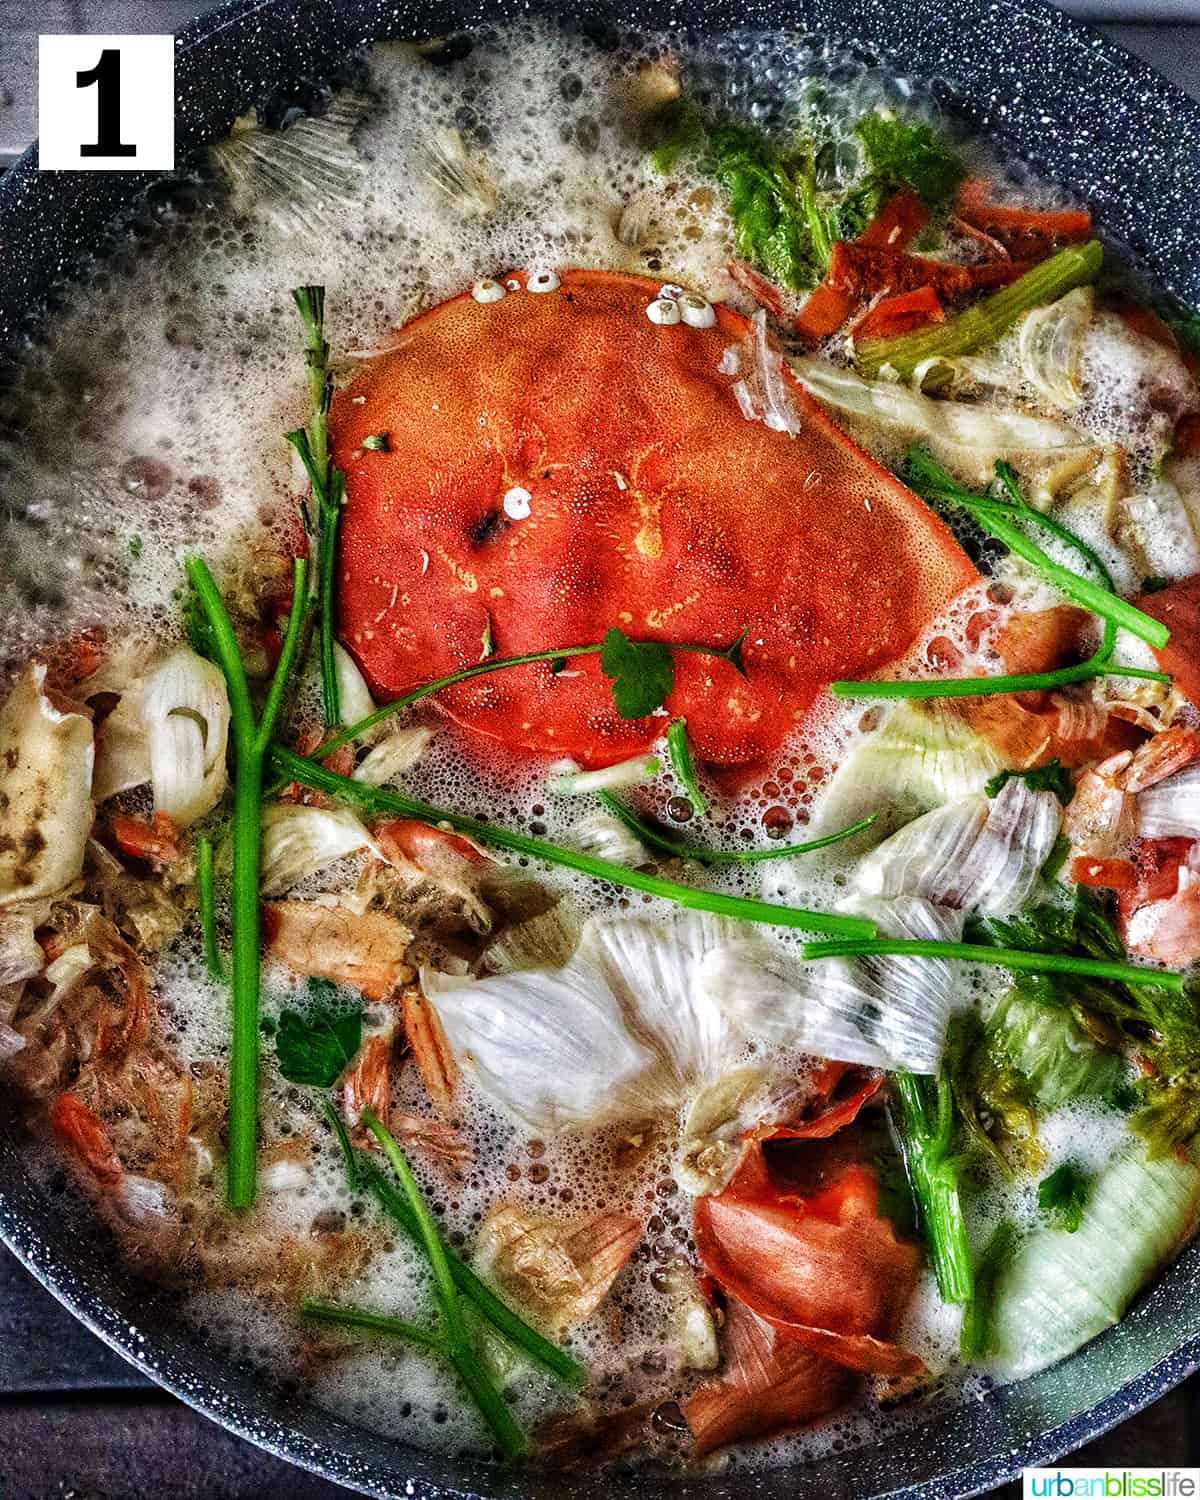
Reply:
x=1064, y=1195
x=642, y=672
x=773, y=204
x=378, y=442
x=1052, y=777
x=1155, y=584
x=316, y=1045
x=911, y=154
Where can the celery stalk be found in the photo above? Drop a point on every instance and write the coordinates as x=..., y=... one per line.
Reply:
x=988, y=319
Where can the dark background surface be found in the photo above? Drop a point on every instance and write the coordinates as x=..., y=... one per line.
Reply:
x=75, y=1420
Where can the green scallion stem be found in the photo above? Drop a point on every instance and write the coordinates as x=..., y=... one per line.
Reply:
x=486, y=1303
x=684, y=767
x=457, y=1339
x=329, y=484
x=206, y=892
x=250, y=747
x=924, y=1129
x=1018, y=959
x=656, y=839
x=1099, y=665
x=935, y=484
x=988, y=319
x=317, y=1311
x=379, y=800
x=342, y=1136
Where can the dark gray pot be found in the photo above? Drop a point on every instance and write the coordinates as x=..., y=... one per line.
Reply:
x=1048, y=89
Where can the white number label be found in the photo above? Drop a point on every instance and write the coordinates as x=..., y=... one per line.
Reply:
x=106, y=103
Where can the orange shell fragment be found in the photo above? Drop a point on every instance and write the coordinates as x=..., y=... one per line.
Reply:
x=557, y=464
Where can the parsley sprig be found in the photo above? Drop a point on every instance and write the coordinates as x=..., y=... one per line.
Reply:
x=643, y=676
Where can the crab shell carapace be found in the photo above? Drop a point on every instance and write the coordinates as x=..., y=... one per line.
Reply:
x=557, y=463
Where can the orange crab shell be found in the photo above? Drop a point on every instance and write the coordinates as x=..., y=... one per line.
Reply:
x=557, y=464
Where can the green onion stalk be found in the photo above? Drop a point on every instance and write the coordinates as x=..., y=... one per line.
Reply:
x=924, y=1128
x=380, y=800
x=680, y=849
x=502, y=1318
x=1021, y=960
x=680, y=752
x=328, y=485
x=455, y=1336
x=251, y=741
x=988, y=319
x=206, y=894
x=1007, y=520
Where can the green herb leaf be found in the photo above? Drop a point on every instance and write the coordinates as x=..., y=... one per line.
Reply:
x=1064, y=1194
x=772, y=209
x=642, y=672
x=911, y=154
x=1155, y=584
x=316, y=1045
x=378, y=442
x=1052, y=777
x=136, y=547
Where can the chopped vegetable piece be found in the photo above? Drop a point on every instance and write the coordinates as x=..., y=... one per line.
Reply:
x=987, y=320
x=911, y=153
x=894, y=227
x=863, y=270
x=772, y=209
x=900, y=314
x=977, y=1339
x=1023, y=231
x=315, y=1046
x=923, y=1116
x=1057, y=1291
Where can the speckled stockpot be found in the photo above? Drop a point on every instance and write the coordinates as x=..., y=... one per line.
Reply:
x=1051, y=91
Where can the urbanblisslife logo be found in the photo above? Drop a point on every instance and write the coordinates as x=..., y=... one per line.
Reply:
x=1112, y=1484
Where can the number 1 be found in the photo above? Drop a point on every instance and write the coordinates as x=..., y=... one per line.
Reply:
x=106, y=75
